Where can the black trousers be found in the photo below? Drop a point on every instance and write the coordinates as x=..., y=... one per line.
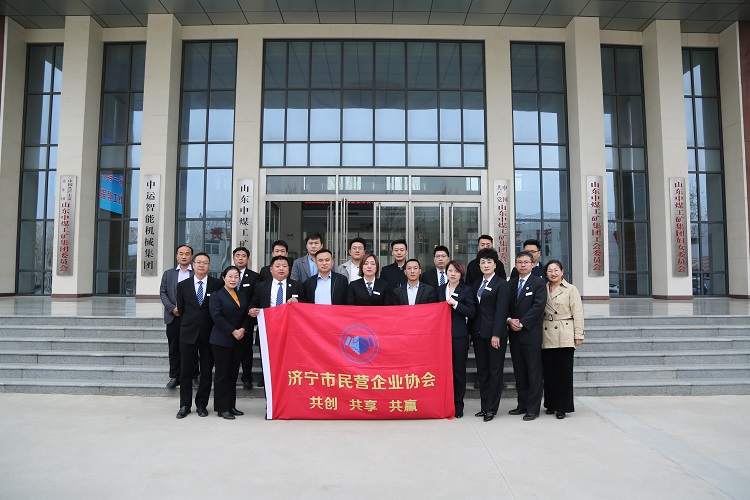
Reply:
x=490, y=371
x=227, y=362
x=190, y=354
x=527, y=370
x=558, y=378
x=460, y=353
x=247, y=360
x=173, y=342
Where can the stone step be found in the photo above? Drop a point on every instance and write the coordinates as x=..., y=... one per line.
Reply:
x=93, y=321
x=81, y=345
x=627, y=321
x=665, y=344
x=693, y=387
x=93, y=332
x=80, y=358
x=659, y=372
x=698, y=357
x=663, y=331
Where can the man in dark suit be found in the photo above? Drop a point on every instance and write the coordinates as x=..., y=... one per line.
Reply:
x=525, y=325
x=279, y=247
x=473, y=272
x=168, y=295
x=394, y=273
x=489, y=332
x=193, y=297
x=537, y=268
x=248, y=279
x=304, y=267
x=280, y=289
x=436, y=276
x=326, y=287
x=414, y=292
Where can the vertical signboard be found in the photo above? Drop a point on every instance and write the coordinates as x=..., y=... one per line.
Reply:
x=149, y=228
x=245, y=209
x=595, y=223
x=679, y=215
x=500, y=223
x=66, y=224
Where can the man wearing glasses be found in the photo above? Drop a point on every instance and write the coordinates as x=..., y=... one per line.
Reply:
x=537, y=268
x=350, y=268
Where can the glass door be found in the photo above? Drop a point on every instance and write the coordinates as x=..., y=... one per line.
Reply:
x=429, y=231
x=455, y=225
x=463, y=229
x=390, y=224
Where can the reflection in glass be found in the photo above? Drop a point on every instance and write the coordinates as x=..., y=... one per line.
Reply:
x=523, y=64
x=357, y=155
x=191, y=191
x=358, y=61
x=274, y=71
x=273, y=115
x=525, y=118
x=421, y=63
x=195, y=66
x=473, y=117
x=423, y=155
x=555, y=189
x=528, y=200
x=422, y=116
x=358, y=115
x=325, y=115
x=299, y=61
x=551, y=76
x=474, y=156
x=194, y=110
x=223, y=65
x=450, y=155
x=450, y=116
x=326, y=65
x=325, y=154
x=449, y=67
x=390, y=155
x=221, y=117
x=390, y=116
x=552, y=118
x=472, y=66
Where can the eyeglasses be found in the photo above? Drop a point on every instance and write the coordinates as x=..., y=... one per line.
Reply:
x=358, y=248
x=201, y=263
x=440, y=256
x=523, y=262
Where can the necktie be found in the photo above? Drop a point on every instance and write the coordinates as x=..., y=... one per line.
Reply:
x=200, y=293
x=442, y=278
x=520, y=287
x=369, y=288
x=481, y=288
x=280, y=295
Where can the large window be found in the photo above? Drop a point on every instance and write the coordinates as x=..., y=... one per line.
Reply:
x=700, y=76
x=38, y=169
x=627, y=184
x=119, y=169
x=204, y=197
x=540, y=148
x=381, y=104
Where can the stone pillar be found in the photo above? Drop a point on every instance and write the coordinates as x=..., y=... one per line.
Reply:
x=161, y=122
x=11, y=136
x=667, y=149
x=247, y=117
x=499, y=134
x=583, y=68
x=79, y=147
x=734, y=76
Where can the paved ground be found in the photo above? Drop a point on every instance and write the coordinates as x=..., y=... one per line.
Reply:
x=84, y=447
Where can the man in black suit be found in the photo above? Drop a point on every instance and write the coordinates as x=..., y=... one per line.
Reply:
x=279, y=247
x=394, y=273
x=525, y=325
x=436, y=276
x=168, y=296
x=473, y=272
x=280, y=289
x=537, y=268
x=248, y=279
x=489, y=332
x=414, y=292
x=326, y=287
x=195, y=329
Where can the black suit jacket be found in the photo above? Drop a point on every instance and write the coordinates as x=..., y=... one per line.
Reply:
x=394, y=275
x=339, y=285
x=357, y=295
x=528, y=308
x=431, y=278
x=537, y=270
x=492, y=309
x=425, y=295
x=466, y=309
x=228, y=316
x=247, y=284
x=196, y=319
x=473, y=272
x=262, y=293
x=265, y=273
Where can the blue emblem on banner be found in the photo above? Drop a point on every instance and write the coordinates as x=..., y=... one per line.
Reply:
x=359, y=344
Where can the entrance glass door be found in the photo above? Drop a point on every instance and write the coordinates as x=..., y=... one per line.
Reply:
x=455, y=225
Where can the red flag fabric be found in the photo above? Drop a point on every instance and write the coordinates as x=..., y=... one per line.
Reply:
x=353, y=362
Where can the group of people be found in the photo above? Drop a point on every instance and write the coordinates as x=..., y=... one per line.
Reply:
x=536, y=311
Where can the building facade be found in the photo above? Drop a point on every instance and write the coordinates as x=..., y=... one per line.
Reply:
x=623, y=152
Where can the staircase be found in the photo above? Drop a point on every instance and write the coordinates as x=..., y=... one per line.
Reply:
x=688, y=355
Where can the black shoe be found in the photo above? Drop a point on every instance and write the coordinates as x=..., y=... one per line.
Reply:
x=247, y=385
x=530, y=416
x=184, y=410
x=261, y=383
x=173, y=382
x=235, y=411
x=226, y=415
x=459, y=413
x=549, y=411
x=517, y=411
x=488, y=416
x=195, y=382
x=202, y=411
x=479, y=414
x=560, y=415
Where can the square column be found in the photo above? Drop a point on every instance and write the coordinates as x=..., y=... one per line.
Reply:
x=585, y=99
x=731, y=76
x=11, y=136
x=161, y=121
x=79, y=147
x=667, y=149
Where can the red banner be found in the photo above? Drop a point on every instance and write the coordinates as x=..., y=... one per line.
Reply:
x=353, y=362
